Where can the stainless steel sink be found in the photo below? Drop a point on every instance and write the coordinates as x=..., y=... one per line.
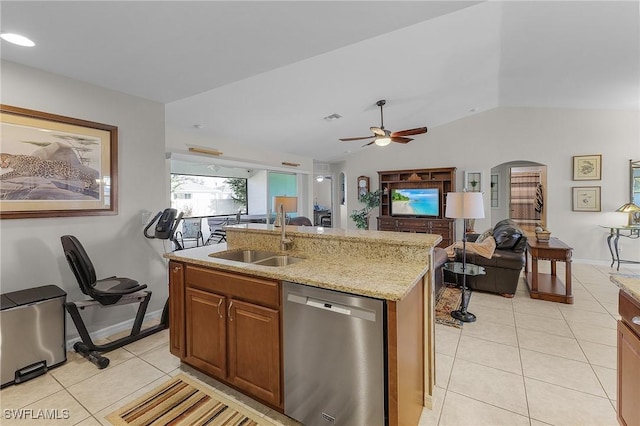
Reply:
x=257, y=257
x=279, y=260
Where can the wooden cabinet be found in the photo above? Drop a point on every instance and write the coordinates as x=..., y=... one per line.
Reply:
x=231, y=329
x=206, y=332
x=628, y=360
x=443, y=179
x=176, y=309
x=254, y=349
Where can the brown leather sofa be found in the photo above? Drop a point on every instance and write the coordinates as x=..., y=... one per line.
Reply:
x=502, y=271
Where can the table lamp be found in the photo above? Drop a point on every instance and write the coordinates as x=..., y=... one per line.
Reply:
x=284, y=205
x=634, y=213
x=464, y=205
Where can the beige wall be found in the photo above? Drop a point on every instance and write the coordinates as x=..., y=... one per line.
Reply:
x=546, y=136
x=30, y=250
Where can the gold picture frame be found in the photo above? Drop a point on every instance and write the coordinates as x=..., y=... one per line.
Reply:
x=586, y=199
x=56, y=166
x=587, y=167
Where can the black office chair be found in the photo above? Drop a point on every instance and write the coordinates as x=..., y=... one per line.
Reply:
x=105, y=292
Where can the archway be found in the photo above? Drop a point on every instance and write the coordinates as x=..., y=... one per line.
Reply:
x=519, y=192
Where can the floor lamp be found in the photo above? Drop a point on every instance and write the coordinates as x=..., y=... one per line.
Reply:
x=464, y=205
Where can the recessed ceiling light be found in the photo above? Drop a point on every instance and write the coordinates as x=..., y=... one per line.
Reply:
x=198, y=126
x=17, y=39
x=332, y=117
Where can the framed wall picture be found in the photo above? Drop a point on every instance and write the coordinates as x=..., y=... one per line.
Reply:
x=54, y=166
x=587, y=167
x=473, y=181
x=586, y=199
x=363, y=185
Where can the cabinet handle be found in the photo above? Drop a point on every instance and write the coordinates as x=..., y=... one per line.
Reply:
x=219, y=303
x=635, y=320
x=229, y=313
x=176, y=269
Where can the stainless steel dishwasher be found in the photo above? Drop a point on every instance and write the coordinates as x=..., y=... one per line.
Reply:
x=334, y=359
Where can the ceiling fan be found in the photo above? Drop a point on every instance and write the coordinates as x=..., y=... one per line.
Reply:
x=383, y=136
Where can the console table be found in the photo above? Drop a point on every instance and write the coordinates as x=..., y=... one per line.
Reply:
x=548, y=286
x=615, y=232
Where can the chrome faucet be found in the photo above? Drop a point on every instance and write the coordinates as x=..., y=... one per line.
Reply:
x=285, y=242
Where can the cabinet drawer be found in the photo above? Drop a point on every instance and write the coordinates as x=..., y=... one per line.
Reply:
x=629, y=309
x=251, y=289
x=387, y=223
x=418, y=225
x=438, y=225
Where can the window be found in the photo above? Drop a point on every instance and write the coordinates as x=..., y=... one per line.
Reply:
x=208, y=195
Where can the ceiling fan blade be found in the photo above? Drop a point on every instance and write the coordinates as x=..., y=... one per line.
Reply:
x=370, y=143
x=400, y=139
x=409, y=132
x=356, y=139
x=378, y=131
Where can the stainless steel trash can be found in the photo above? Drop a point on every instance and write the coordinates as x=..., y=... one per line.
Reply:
x=32, y=333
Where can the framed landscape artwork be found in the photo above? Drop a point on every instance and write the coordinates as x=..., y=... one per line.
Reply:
x=53, y=166
x=586, y=199
x=587, y=167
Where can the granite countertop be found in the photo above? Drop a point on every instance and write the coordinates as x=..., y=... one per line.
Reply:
x=330, y=260
x=629, y=283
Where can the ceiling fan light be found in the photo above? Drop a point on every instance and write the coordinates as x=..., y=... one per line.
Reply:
x=384, y=141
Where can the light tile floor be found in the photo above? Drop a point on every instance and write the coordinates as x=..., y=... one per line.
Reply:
x=524, y=362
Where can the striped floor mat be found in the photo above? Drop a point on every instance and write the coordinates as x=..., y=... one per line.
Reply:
x=182, y=401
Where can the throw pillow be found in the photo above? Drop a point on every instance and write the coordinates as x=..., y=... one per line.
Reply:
x=484, y=235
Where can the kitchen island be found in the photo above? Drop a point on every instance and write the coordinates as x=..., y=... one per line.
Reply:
x=628, y=380
x=226, y=319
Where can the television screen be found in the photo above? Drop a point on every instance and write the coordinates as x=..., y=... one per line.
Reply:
x=415, y=202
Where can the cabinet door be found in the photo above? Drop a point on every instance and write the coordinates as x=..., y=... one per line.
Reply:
x=254, y=350
x=628, y=376
x=206, y=332
x=176, y=309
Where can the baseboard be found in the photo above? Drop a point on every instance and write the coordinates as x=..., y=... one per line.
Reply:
x=114, y=329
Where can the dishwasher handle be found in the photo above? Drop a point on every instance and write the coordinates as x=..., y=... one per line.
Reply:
x=332, y=307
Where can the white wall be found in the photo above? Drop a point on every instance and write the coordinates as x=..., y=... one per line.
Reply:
x=546, y=136
x=30, y=250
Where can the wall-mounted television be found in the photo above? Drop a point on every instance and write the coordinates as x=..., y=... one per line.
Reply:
x=415, y=202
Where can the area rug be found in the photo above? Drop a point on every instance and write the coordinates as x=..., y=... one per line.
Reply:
x=447, y=300
x=183, y=401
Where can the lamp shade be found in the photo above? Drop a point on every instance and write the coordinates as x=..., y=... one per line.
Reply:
x=290, y=203
x=628, y=208
x=464, y=205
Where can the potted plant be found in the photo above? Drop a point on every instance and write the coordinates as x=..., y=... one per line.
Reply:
x=371, y=200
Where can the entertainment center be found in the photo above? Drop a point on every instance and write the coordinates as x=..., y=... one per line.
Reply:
x=415, y=201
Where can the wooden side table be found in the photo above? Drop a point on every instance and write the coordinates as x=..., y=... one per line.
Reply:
x=548, y=286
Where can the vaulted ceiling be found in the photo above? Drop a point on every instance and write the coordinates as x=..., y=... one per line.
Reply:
x=265, y=73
